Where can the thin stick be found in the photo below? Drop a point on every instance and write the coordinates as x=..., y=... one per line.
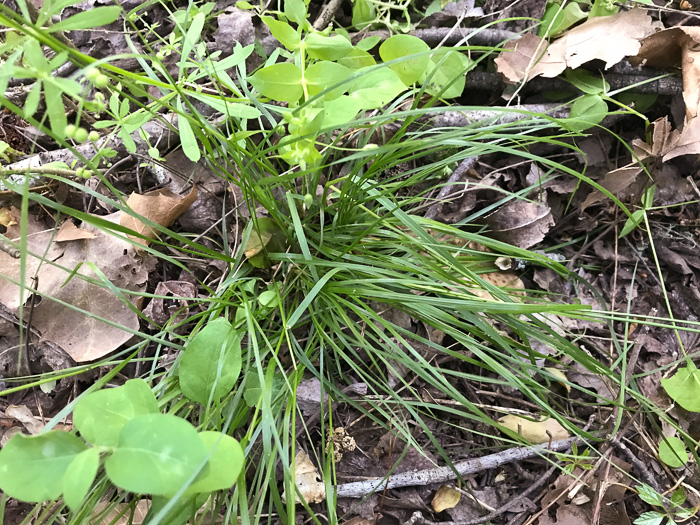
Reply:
x=441, y=474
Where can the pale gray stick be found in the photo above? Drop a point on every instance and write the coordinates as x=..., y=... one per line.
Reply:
x=326, y=15
x=360, y=489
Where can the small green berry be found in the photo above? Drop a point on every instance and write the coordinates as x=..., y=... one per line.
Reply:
x=70, y=130
x=101, y=81
x=92, y=74
x=93, y=136
x=99, y=98
x=159, y=55
x=80, y=135
x=83, y=173
x=308, y=200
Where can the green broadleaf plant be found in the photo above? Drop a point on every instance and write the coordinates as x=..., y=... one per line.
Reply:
x=143, y=450
x=672, y=452
x=339, y=80
x=211, y=363
x=684, y=387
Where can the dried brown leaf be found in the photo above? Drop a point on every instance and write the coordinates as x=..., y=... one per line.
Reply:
x=307, y=479
x=535, y=431
x=445, y=498
x=160, y=206
x=606, y=38
x=82, y=336
x=522, y=223
x=22, y=414
x=70, y=232
x=614, y=181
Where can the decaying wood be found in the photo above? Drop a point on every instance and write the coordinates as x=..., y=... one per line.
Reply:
x=360, y=489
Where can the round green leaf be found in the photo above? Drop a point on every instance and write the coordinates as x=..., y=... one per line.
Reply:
x=586, y=82
x=340, y=111
x=327, y=47
x=376, y=88
x=32, y=467
x=157, y=454
x=672, y=452
x=368, y=43
x=357, y=59
x=684, y=388
x=586, y=112
x=225, y=463
x=268, y=298
x=324, y=74
x=79, y=477
x=100, y=416
x=211, y=363
x=446, y=68
x=399, y=46
x=281, y=82
x=295, y=10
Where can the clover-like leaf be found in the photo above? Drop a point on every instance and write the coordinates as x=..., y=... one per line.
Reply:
x=100, y=416
x=684, y=387
x=225, y=463
x=156, y=454
x=327, y=47
x=672, y=451
x=399, y=46
x=32, y=468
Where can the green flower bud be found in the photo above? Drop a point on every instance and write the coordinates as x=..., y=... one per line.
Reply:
x=102, y=81
x=80, y=135
x=92, y=74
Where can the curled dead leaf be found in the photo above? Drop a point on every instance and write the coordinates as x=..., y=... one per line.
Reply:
x=307, y=480
x=70, y=232
x=535, y=431
x=561, y=376
x=445, y=498
x=606, y=38
x=22, y=414
x=160, y=206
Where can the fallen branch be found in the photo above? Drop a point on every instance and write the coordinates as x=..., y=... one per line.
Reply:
x=360, y=489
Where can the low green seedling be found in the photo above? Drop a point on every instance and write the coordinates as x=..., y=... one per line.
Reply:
x=670, y=510
x=638, y=215
x=142, y=450
x=211, y=364
x=394, y=15
x=26, y=60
